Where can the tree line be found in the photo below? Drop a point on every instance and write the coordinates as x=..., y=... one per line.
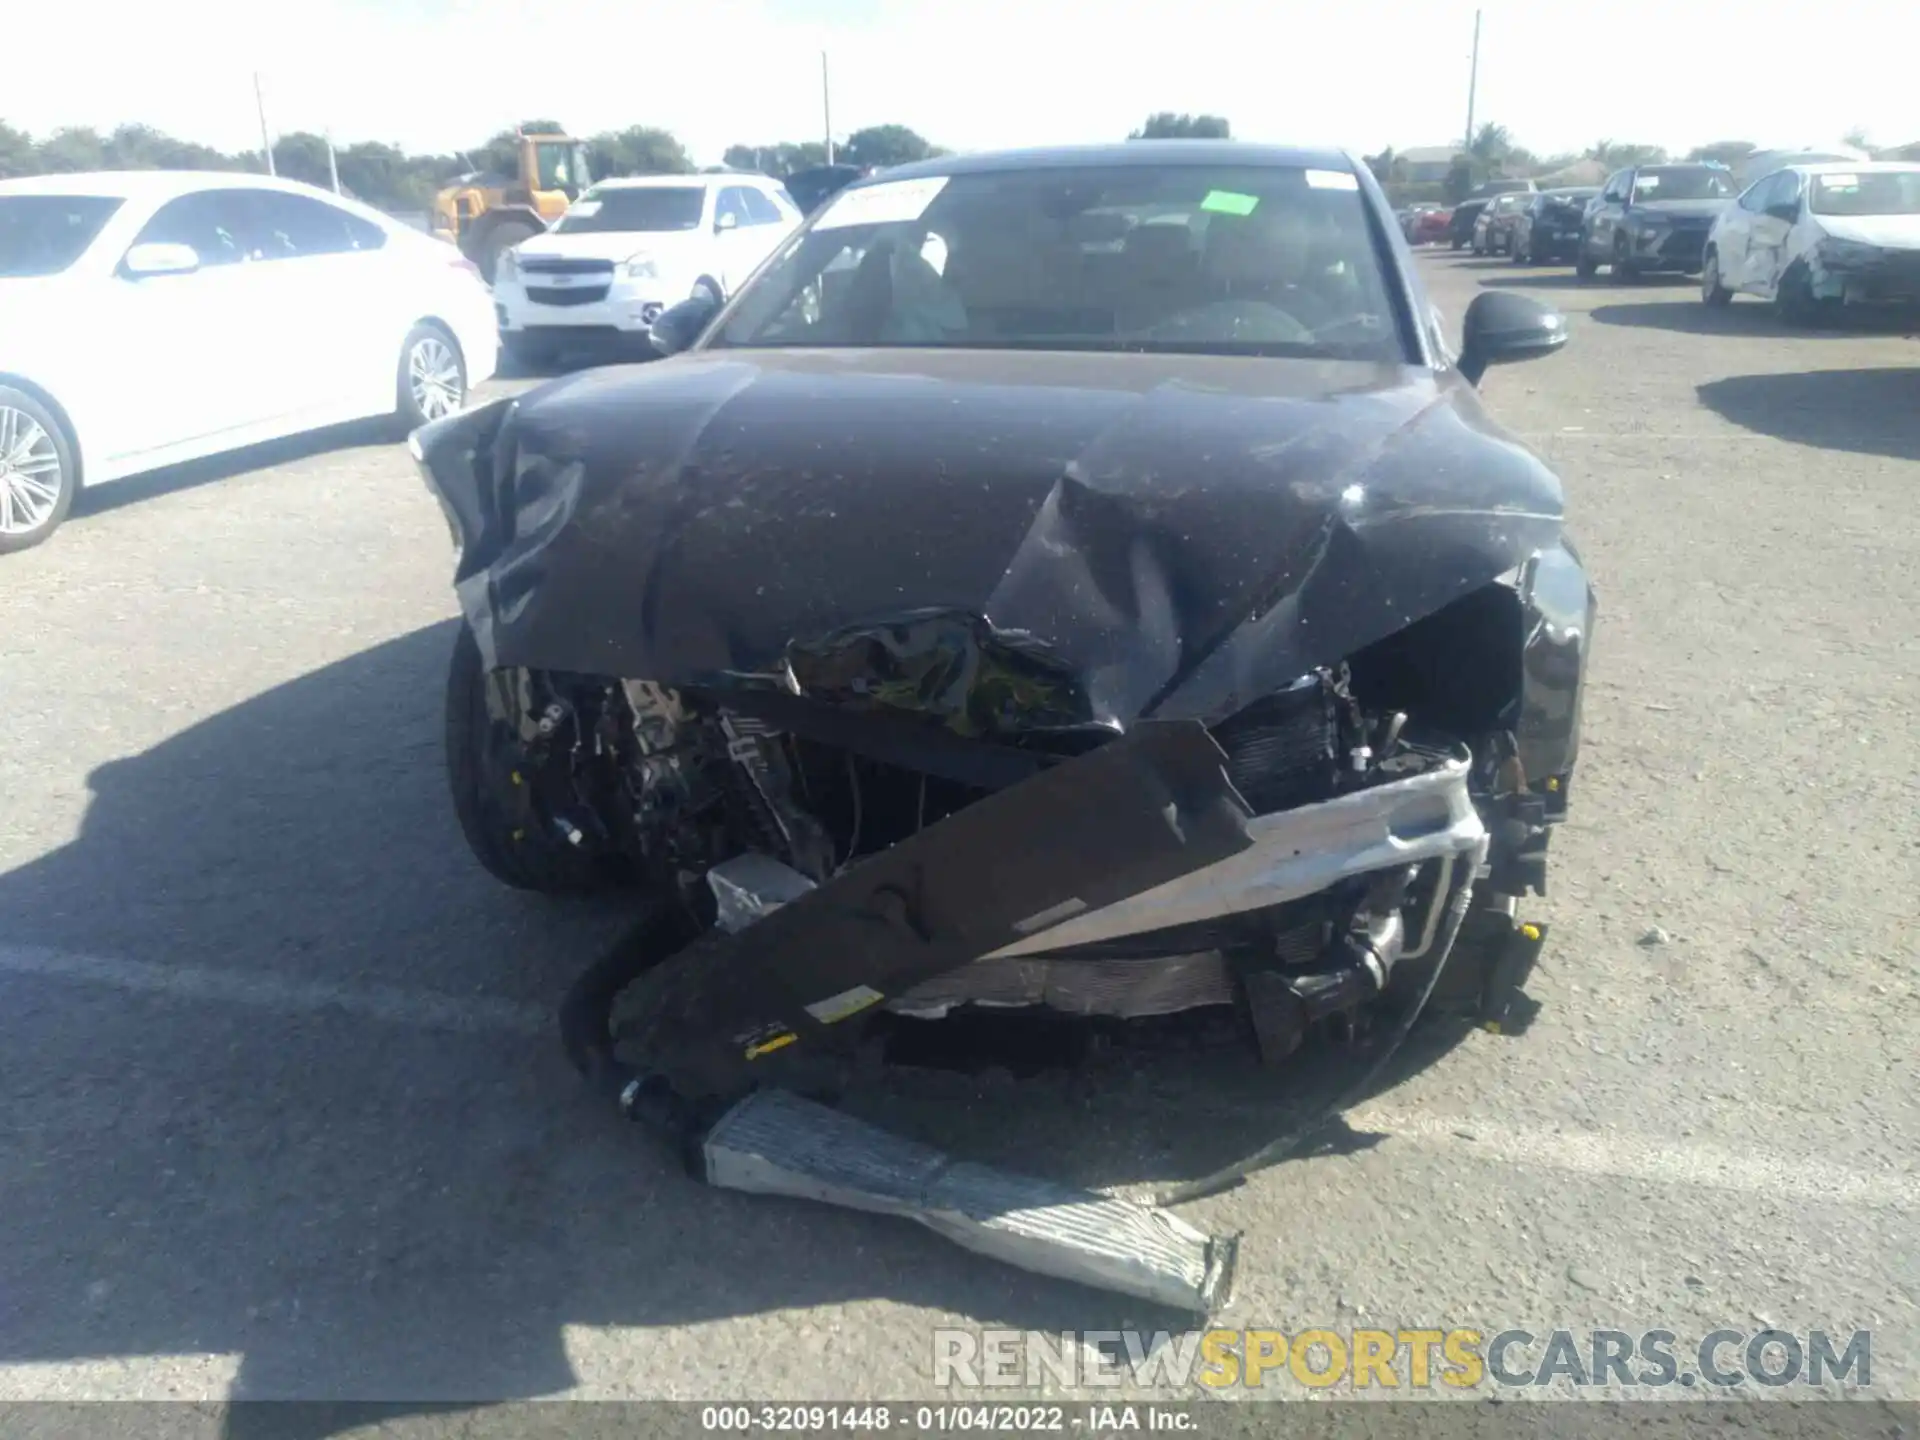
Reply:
x=1495, y=154
x=394, y=179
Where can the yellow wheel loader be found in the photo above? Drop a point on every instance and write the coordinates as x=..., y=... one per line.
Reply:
x=487, y=215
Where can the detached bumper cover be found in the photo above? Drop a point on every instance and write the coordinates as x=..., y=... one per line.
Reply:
x=773, y=1143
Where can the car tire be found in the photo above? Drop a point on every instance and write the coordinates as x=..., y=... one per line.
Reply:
x=1457, y=242
x=1793, y=298
x=432, y=380
x=1711, y=290
x=500, y=239
x=481, y=759
x=38, y=473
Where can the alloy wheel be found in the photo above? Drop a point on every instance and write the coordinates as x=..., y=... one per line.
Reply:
x=30, y=478
x=433, y=377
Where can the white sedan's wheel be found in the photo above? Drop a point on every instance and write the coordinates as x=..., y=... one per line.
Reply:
x=433, y=379
x=36, y=472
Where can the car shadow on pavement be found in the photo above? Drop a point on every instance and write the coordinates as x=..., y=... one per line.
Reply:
x=215, y=1149
x=1868, y=412
x=191, y=474
x=1547, y=278
x=1740, y=319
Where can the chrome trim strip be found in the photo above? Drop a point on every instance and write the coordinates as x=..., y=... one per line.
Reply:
x=1297, y=853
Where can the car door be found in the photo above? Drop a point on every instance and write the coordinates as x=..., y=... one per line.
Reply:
x=1733, y=231
x=1767, y=256
x=334, y=324
x=1605, y=220
x=733, y=236
x=178, y=347
x=767, y=225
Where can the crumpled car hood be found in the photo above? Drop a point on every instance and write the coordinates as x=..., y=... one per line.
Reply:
x=1180, y=534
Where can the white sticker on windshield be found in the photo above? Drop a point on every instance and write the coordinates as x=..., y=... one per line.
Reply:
x=585, y=207
x=1645, y=182
x=1332, y=180
x=884, y=204
x=1840, y=182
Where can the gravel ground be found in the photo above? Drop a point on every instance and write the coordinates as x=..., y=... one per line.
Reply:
x=284, y=1116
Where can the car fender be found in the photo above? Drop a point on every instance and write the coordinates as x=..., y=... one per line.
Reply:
x=56, y=399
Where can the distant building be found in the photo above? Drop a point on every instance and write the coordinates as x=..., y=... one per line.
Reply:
x=1580, y=172
x=1426, y=164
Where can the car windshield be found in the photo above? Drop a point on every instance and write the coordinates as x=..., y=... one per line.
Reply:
x=1682, y=184
x=1267, y=260
x=45, y=234
x=634, y=207
x=1886, y=192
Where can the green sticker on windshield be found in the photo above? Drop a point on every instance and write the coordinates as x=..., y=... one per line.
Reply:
x=1228, y=202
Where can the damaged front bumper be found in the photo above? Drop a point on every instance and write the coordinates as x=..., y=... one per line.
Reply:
x=1854, y=273
x=1296, y=853
x=1140, y=837
x=1425, y=819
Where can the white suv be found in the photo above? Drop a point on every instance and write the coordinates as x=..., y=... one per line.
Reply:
x=627, y=249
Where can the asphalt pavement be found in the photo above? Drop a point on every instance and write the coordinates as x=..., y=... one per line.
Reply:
x=282, y=1113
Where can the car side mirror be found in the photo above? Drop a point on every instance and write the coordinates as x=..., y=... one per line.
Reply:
x=725, y=223
x=1502, y=328
x=143, y=262
x=676, y=328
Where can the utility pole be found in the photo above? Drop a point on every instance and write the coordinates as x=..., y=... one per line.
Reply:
x=266, y=138
x=826, y=105
x=1473, y=80
x=333, y=164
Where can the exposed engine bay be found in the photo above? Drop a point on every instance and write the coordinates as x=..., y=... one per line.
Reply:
x=741, y=802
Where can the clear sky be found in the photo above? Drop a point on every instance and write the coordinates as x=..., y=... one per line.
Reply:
x=444, y=74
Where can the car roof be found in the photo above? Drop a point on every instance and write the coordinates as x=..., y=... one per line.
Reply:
x=1117, y=153
x=149, y=184
x=682, y=182
x=1856, y=167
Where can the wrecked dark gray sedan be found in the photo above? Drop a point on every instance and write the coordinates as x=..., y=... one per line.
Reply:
x=1080, y=580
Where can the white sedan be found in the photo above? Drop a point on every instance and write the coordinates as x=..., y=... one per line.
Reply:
x=627, y=249
x=1809, y=237
x=153, y=317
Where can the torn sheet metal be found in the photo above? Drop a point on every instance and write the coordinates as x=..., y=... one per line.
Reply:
x=1178, y=534
x=1293, y=854
x=774, y=1143
x=1144, y=809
